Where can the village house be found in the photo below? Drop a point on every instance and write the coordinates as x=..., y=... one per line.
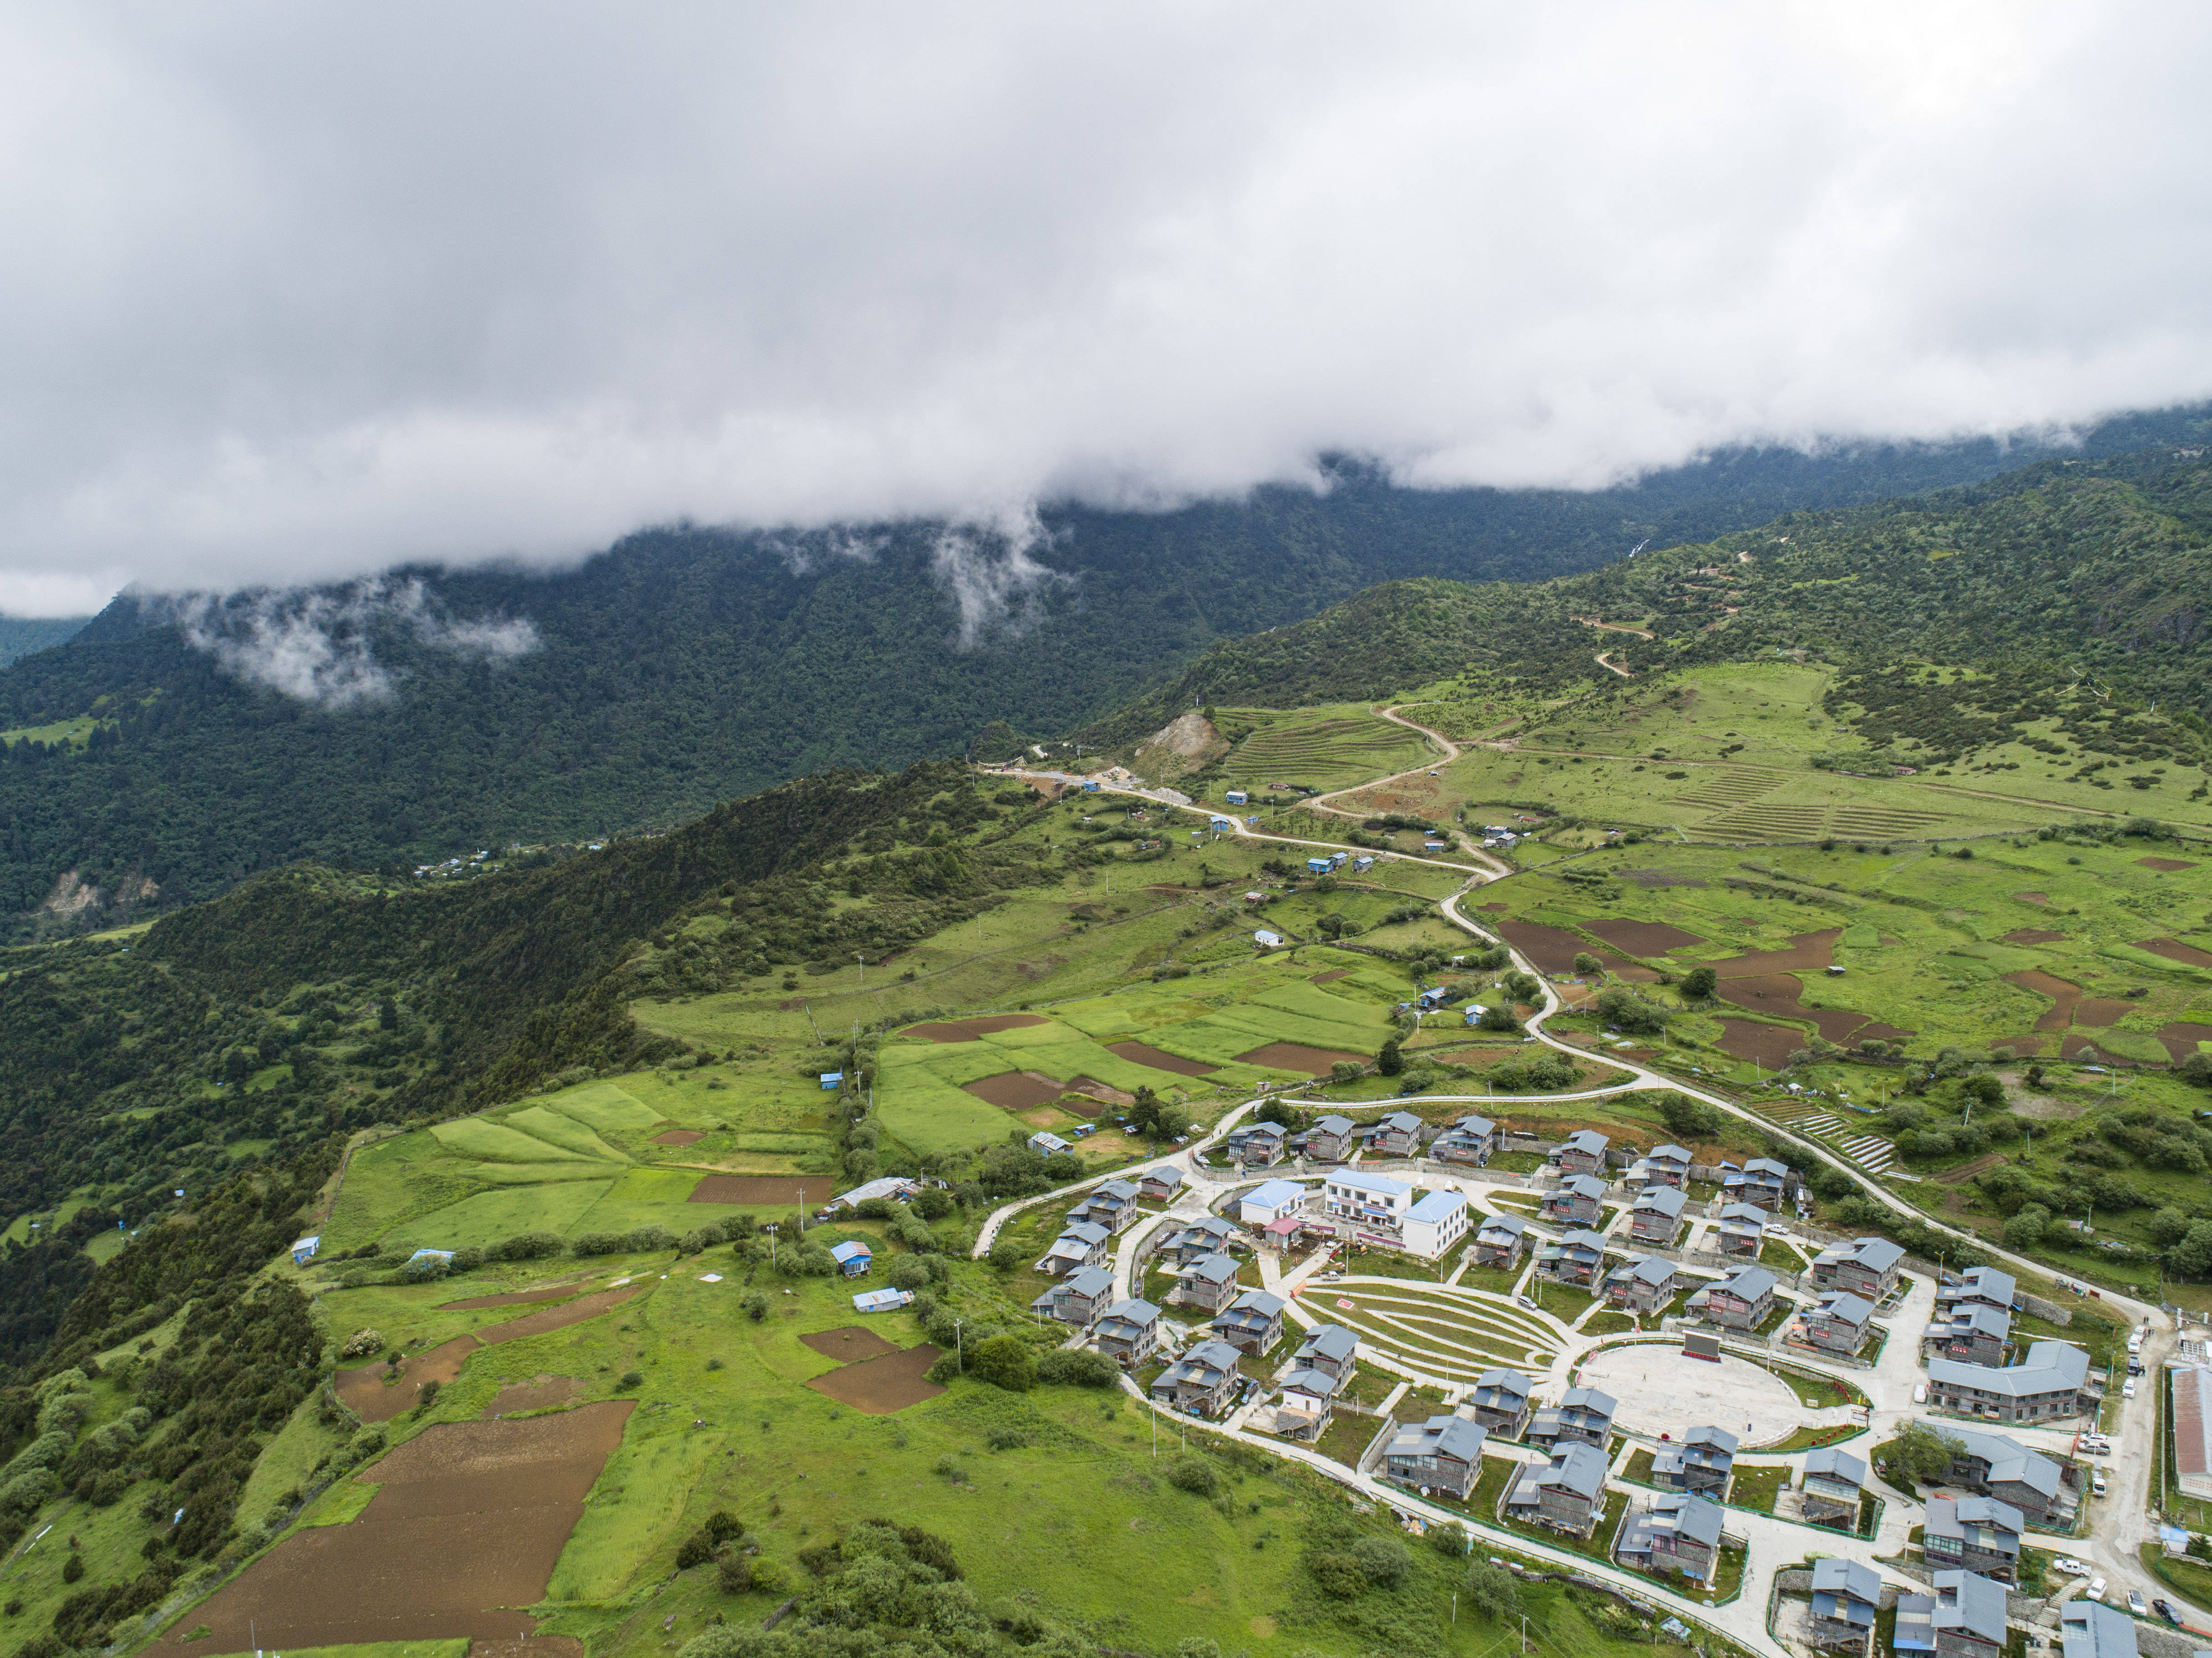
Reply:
x=2090, y=1629
x=1762, y=1182
x=1566, y=1495
x=1442, y=1454
x=1833, y=1483
x=1662, y=1165
x=1741, y=1300
x=853, y=1258
x=1866, y=1268
x=1253, y=1323
x=1079, y=1299
x=1331, y=1139
x=1436, y=1221
x=1999, y=1465
x=1159, y=1185
x=1499, y=1241
x=2051, y=1380
x=1657, y=1216
x=1846, y=1596
x=1584, y=1414
x=1471, y=1139
x=1329, y=1348
x=1740, y=1230
x=1642, y=1286
x=1398, y=1135
x=1982, y=1286
x=1208, y=1284
x=1309, y=1400
x=1209, y=1234
x=1372, y=1204
x=1700, y=1466
x=1575, y=1259
x=1112, y=1205
x=1973, y=1334
x=1676, y=1536
x=1257, y=1144
x=1574, y=1201
x=1127, y=1332
x=1501, y=1400
x=1084, y=1243
x=1582, y=1152
x=1838, y=1323
x=1201, y=1381
x=1973, y=1534
x=1270, y=1200
x=1965, y=1618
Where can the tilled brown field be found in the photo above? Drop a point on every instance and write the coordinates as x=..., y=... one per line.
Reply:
x=364, y=1391
x=2066, y=994
x=2034, y=935
x=679, y=1137
x=556, y=1318
x=542, y=1393
x=879, y=1387
x=2165, y=865
x=1015, y=1091
x=466, y=1526
x=1806, y=952
x=515, y=1297
x=1770, y=1045
x=1297, y=1056
x=967, y=1030
x=1643, y=937
x=760, y=1191
x=1158, y=1058
x=2174, y=950
x=849, y=1344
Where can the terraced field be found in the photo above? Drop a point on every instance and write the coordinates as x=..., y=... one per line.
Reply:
x=1440, y=1330
x=1325, y=748
x=1870, y=1151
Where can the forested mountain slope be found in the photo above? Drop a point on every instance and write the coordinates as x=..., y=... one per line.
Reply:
x=2095, y=568
x=687, y=666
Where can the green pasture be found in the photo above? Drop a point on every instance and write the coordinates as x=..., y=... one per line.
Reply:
x=1325, y=748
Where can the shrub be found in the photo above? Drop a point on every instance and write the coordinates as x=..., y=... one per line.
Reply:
x=1344, y=1071
x=1493, y=1591
x=632, y=1379
x=949, y=1467
x=1004, y=1361
x=757, y=1306
x=735, y=1575
x=599, y=1243
x=1384, y=1561
x=907, y=1272
x=651, y=1236
x=1450, y=1537
x=1337, y=1576
x=1006, y=1255
x=362, y=1344
x=1195, y=1474
x=1077, y=1367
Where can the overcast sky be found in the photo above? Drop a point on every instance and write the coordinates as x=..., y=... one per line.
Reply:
x=295, y=290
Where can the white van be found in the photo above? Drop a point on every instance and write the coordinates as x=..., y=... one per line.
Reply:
x=1920, y=1394
x=2097, y=1483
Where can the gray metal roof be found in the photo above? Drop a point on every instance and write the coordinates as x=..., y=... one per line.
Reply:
x=1440, y=1436
x=1580, y=1186
x=1212, y=1269
x=2050, y=1367
x=1968, y=1601
x=1131, y=1311
x=2009, y=1461
x=1516, y=1382
x=1830, y=1463
x=1329, y=1341
x=1851, y=1308
x=1260, y=1301
x=1087, y=1281
x=1833, y=1575
x=1663, y=1200
x=1982, y=1283
x=1586, y=1140
x=1589, y=1399
x=2090, y=1629
x=1748, y=1282
x=1645, y=1269
x=1579, y=1467
x=1718, y=1438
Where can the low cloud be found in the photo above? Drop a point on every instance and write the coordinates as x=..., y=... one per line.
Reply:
x=296, y=293
x=319, y=647
x=986, y=571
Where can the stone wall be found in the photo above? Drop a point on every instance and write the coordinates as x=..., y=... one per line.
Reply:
x=2049, y=1311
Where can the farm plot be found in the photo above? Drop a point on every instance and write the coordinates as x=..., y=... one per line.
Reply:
x=1325, y=748
x=1451, y=1334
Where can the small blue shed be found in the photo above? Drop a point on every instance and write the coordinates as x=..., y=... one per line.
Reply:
x=853, y=1258
x=881, y=1301
x=833, y=1079
x=303, y=1250
x=1318, y=865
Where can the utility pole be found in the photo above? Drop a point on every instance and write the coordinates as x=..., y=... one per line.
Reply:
x=959, y=1348
x=863, y=961
x=802, y=1211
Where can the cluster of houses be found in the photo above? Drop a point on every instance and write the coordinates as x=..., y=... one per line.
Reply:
x=1965, y=1347
x=1338, y=1139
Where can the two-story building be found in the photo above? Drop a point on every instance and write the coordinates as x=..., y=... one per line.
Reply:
x=1566, y=1495
x=1501, y=1401
x=1208, y=1284
x=1839, y=1323
x=1973, y=1534
x=1209, y=1234
x=1128, y=1332
x=1253, y=1323
x=1577, y=1258
x=1657, y=1216
x=1740, y=1230
x=1582, y=1152
x=2090, y=1629
x=1762, y=1182
x=1309, y=1400
x=1398, y=1135
x=2051, y=1380
x=1965, y=1618
x=1973, y=1334
x=1700, y=1465
x=1373, y=1206
x=1499, y=1241
x=1331, y=1139
x=1112, y=1204
x=1674, y=1536
x=1442, y=1455
x=1329, y=1348
x=1641, y=1286
x=1866, y=1267
x=1833, y=1483
x=1436, y=1221
x=1257, y=1144
x=1574, y=1201
x=1079, y=1299
x=1201, y=1382
x=1977, y=1287
x=1159, y=1185
x=1741, y=1300
x=1662, y=1165
x=1996, y=1465
x=1584, y=1415
x=1471, y=1139
x=1847, y=1597
x=1270, y=1200
x=1082, y=1244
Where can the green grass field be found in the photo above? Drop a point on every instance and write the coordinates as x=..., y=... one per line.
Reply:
x=1323, y=748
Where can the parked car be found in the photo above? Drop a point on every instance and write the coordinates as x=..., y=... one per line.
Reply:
x=2129, y=1391
x=2074, y=1568
x=2136, y=1602
x=2097, y=1483
x=2167, y=1612
x=2095, y=1591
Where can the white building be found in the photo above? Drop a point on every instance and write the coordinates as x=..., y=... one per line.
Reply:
x=1435, y=1223
x=1375, y=1200
x=1271, y=1200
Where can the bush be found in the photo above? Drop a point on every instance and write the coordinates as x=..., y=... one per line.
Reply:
x=735, y=1575
x=757, y=1306
x=1195, y=1474
x=1337, y=1576
x=599, y=1243
x=362, y=1344
x=652, y=1236
x=1077, y=1367
x=949, y=1467
x=632, y=1379
x=1344, y=1071
x=1450, y=1537
x=1007, y=1254
x=909, y=1273
x=1493, y=1591
x=1004, y=1361
x=933, y=1203
x=1383, y=1560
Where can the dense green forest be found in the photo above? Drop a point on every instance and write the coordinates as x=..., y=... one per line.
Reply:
x=2098, y=571
x=686, y=666
x=20, y=635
